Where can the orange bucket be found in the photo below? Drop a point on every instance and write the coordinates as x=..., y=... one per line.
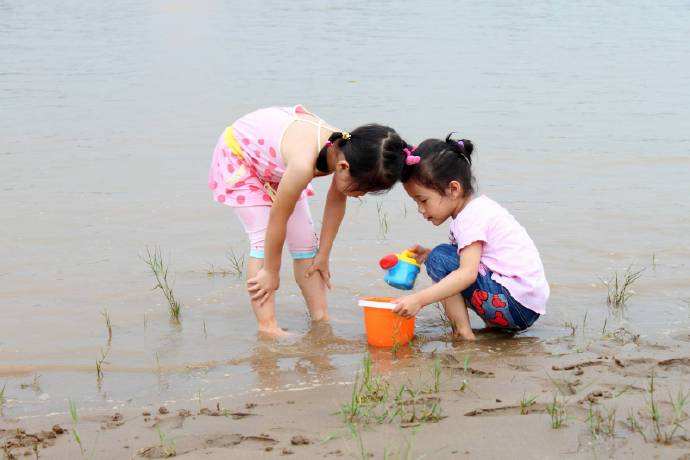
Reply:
x=384, y=328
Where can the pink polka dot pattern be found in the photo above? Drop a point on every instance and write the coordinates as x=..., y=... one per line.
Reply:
x=255, y=156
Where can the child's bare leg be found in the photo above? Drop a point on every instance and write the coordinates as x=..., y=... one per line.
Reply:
x=456, y=311
x=266, y=312
x=313, y=290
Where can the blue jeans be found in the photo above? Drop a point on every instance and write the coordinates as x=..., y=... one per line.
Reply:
x=490, y=300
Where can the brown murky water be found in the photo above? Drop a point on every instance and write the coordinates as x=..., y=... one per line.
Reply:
x=581, y=114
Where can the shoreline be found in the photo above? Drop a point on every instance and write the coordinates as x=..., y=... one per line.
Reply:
x=460, y=400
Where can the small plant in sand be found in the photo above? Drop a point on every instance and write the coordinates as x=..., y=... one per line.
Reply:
x=75, y=420
x=362, y=453
x=2, y=397
x=370, y=390
x=601, y=421
x=403, y=452
x=557, y=411
x=620, y=287
x=665, y=430
x=465, y=383
x=383, y=220
x=436, y=373
x=370, y=401
x=167, y=445
x=634, y=425
x=108, y=325
x=154, y=259
x=526, y=402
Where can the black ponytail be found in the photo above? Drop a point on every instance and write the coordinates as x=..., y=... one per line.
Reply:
x=443, y=161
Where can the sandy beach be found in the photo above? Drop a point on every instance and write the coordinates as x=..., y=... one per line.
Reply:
x=557, y=401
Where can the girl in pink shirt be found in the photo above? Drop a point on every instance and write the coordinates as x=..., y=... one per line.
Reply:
x=491, y=262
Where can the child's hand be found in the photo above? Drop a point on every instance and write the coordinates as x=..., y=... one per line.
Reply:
x=320, y=265
x=420, y=253
x=263, y=285
x=407, y=306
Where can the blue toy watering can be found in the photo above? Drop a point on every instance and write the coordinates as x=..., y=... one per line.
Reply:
x=402, y=269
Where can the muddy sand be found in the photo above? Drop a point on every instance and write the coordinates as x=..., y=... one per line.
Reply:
x=609, y=394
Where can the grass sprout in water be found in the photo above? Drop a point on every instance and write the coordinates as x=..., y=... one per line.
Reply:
x=620, y=287
x=154, y=259
x=108, y=325
x=384, y=221
x=237, y=264
x=99, y=365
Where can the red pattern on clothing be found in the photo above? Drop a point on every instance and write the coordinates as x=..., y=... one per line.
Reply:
x=499, y=320
x=497, y=302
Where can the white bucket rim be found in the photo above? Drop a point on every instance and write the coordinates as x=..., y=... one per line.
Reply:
x=374, y=304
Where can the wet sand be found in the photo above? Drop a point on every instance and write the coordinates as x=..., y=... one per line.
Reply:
x=473, y=408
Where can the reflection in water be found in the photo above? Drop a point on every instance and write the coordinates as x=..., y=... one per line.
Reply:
x=310, y=357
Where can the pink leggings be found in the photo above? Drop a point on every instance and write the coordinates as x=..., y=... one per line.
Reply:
x=300, y=236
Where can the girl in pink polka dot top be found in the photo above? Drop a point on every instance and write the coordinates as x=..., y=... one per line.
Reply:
x=262, y=167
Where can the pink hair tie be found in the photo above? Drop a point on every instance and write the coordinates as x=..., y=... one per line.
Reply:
x=328, y=144
x=411, y=159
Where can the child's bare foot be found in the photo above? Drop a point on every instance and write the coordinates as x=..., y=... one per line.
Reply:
x=274, y=332
x=465, y=334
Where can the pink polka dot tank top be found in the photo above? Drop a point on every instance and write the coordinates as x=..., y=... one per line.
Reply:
x=247, y=164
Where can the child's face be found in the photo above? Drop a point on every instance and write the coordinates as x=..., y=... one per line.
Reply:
x=435, y=207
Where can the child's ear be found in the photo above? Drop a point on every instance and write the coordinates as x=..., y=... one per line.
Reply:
x=455, y=190
x=342, y=165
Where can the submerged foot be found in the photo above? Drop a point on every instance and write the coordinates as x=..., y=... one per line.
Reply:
x=464, y=334
x=274, y=333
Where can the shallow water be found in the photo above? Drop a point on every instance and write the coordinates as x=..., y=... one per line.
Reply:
x=581, y=115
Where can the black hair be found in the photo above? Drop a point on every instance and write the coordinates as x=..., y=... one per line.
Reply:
x=374, y=153
x=442, y=161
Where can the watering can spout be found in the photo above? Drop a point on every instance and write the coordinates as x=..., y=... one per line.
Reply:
x=388, y=262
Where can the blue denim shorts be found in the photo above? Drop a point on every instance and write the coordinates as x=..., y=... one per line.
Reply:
x=489, y=299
